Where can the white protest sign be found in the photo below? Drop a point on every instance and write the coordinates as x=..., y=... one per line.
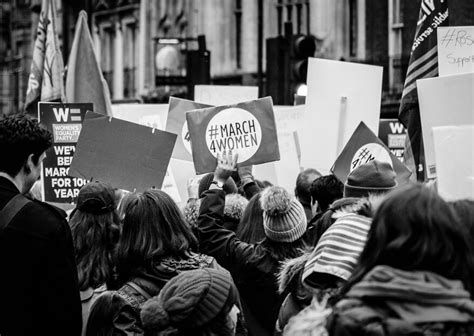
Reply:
x=224, y=94
x=151, y=115
x=284, y=172
x=289, y=118
x=169, y=186
x=182, y=172
x=340, y=96
x=455, y=50
x=444, y=101
x=454, y=150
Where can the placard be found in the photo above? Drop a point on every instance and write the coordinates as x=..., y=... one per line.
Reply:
x=363, y=147
x=454, y=150
x=177, y=124
x=126, y=155
x=340, y=96
x=224, y=94
x=64, y=121
x=455, y=50
x=393, y=134
x=151, y=115
x=245, y=128
x=444, y=101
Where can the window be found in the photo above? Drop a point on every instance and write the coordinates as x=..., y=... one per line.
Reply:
x=397, y=13
x=353, y=27
x=238, y=32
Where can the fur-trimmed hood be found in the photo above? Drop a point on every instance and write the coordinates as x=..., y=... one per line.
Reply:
x=366, y=206
x=291, y=270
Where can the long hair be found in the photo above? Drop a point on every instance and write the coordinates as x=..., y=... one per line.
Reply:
x=95, y=237
x=104, y=312
x=153, y=228
x=464, y=209
x=250, y=228
x=415, y=229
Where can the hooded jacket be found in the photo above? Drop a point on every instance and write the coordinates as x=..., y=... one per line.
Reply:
x=390, y=301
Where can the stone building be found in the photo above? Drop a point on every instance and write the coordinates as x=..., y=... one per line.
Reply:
x=125, y=33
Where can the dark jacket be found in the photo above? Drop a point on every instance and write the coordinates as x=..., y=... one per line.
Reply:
x=389, y=301
x=322, y=221
x=145, y=284
x=252, y=267
x=38, y=282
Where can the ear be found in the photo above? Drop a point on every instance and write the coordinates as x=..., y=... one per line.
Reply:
x=29, y=164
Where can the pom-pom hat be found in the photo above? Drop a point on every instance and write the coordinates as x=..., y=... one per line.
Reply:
x=372, y=177
x=189, y=300
x=284, y=218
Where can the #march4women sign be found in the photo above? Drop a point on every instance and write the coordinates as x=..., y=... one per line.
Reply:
x=246, y=128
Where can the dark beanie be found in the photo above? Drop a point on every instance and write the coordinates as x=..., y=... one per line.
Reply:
x=372, y=177
x=229, y=186
x=189, y=300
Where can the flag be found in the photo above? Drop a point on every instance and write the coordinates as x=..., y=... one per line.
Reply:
x=423, y=64
x=84, y=81
x=45, y=82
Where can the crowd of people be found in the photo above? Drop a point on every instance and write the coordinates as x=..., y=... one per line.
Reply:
x=364, y=256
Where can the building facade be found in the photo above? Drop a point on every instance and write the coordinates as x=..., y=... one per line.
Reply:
x=128, y=37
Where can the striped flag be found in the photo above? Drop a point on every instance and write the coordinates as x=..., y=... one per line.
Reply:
x=423, y=64
x=45, y=82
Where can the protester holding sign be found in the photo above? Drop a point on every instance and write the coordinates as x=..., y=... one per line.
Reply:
x=38, y=282
x=253, y=266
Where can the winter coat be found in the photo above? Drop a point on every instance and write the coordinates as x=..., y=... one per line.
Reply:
x=38, y=281
x=322, y=221
x=389, y=301
x=145, y=284
x=253, y=268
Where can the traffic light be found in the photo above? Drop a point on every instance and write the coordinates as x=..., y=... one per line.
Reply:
x=302, y=47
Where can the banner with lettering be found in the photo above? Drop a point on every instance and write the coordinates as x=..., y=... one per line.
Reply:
x=363, y=147
x=64, y=121
x=246, y=128
x=393, y=135
x=455, y=50
x=177, y=124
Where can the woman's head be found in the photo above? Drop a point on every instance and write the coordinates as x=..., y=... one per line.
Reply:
x=415, y=229
x=197, y=302
x=153, y=227
x=250, y=228
x=95, y=231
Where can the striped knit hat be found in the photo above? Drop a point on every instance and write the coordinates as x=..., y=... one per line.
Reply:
x=284, y=219
x=189, y=300
x=338, y=250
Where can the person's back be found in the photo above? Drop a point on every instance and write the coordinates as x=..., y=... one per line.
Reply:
x=38, y=282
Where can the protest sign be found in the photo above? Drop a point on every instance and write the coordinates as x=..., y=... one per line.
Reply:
x=363, y=147
x=340, y=96
x=247, y=129
x=393, y=134
x=444, y=101
x=224, y=94
x=64, y=121
x=151, y=115
x=124, y=154
x=182, y=171
x=284, y=172
x=169, y=186
x=177, y=124
x=454, y=150
x=455, y=50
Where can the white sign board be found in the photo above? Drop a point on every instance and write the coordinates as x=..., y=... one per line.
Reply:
x=454, y=150
x=284, y=172
x=340, y=96
x=455, y=50
x=151, y=115
x=444, y=101
x=224, y=94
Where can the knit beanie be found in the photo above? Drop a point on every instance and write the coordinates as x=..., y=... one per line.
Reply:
x=190, y=300
x=372, y=177
x=284, y=219
x=338, y=250
x=229, y=186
